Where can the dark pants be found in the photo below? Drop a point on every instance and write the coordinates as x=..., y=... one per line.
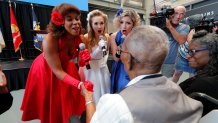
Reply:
x=76, y=119
x=5, y=102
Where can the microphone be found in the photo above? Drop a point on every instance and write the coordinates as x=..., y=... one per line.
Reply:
x=83, y=47
x=123, y=37
x=101, y=37
x=118, y=53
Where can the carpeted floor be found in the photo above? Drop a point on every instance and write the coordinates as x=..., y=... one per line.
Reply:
x=13, y=115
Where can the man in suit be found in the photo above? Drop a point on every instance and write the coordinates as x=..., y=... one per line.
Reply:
x=149, y=97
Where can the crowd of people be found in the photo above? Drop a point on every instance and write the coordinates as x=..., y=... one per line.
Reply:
x=142, y=85
x=149, y=97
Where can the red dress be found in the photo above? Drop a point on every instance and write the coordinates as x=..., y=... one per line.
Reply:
x=46, y=97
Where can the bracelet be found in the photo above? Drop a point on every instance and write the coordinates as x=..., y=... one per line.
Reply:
x=88, y=102
x=79, y=85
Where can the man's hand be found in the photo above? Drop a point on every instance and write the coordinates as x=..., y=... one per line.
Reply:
x=90, y=106
x=168, y=24
x=88, y=95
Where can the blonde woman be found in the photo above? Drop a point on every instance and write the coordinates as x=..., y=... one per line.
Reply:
x=125, y=21
x=96, y=41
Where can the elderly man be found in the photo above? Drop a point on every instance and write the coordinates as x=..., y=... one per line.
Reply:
x=149, y=97
x=177, y=34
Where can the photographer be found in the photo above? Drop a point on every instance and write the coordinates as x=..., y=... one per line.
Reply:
x=177, y=34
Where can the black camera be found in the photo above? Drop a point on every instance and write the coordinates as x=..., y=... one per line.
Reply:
x=206, y=24
x=216, y=24
x=200, y=22
x=159, y=18
x=165, y=12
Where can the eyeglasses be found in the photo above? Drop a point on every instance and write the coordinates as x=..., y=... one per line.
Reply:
x=122, y=51
x=192, y=52
x=118, y=53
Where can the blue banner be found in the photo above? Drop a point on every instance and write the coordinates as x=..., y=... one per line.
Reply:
x=81, y=4
x=36, y=27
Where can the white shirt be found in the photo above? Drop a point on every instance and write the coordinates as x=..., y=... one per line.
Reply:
x=112, y=108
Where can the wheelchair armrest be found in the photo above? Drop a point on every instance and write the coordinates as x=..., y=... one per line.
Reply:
x=195, y=95
x=209, y=103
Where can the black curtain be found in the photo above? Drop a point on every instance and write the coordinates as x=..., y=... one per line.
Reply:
x=23, y=14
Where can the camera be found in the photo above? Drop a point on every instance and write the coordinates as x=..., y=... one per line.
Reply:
x=200, y=22
x=206, y=24
x=159, y=18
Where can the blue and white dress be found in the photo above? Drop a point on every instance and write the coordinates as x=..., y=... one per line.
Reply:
x=119, y=77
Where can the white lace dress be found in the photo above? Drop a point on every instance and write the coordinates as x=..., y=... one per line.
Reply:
x=98, y=74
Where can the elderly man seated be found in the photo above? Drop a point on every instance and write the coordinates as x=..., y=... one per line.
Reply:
x=149, y=97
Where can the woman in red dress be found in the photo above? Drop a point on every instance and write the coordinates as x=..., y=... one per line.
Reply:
x=52, y=92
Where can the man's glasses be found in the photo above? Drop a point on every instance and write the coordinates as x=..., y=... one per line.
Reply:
x=192, y=52
x=118, y=53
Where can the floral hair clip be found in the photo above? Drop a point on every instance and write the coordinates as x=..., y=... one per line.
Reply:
x=119, y=12
x=56, y=18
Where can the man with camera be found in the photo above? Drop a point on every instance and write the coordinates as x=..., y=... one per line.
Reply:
x=177, y=34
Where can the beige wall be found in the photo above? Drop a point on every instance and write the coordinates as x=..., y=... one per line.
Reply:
x=148, y=7
x=182, y=2
x=110, y=8
x=110, y=15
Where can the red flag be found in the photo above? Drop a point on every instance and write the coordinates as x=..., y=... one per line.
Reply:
x=17, y=40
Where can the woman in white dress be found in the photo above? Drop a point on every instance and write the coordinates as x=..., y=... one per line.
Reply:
x=96, y=41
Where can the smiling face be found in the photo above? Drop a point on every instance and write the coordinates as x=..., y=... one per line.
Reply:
x=126, y=25
x=98, y=25
x=72, y=24
x=200, y=58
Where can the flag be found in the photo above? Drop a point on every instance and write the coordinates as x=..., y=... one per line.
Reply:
x=2, y=42
x=35, y=20
x=17, y=40
x=35, y=27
